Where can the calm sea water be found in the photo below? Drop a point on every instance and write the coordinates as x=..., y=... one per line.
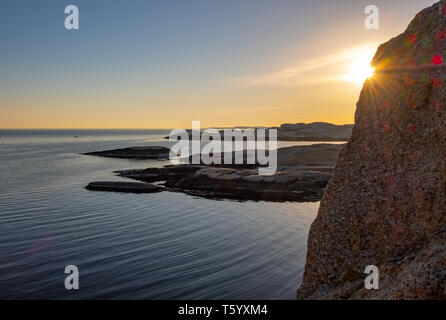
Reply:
x=153, y=246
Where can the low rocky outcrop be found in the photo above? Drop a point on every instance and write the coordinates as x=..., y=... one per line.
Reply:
x=386, y=203
x=169, y=174
x=127, y=187
x=316, y=131
x=289, y=185
x=312, y=156
x=303, y=173
x=139, y=153
x=211, y=182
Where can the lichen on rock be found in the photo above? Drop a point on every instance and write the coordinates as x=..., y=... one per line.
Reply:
x=386, y=203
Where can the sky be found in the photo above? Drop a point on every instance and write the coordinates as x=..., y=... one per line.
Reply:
x=163, y=63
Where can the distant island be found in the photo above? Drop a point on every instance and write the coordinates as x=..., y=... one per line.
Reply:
x=315, y=131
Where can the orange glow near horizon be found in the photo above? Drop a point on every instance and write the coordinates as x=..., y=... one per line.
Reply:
x=273, y=65
x=263, y=100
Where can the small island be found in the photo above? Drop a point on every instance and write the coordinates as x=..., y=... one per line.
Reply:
x=302, y=175
x=315, y=131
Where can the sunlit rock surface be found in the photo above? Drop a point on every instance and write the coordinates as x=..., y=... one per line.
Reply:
x=386, y=203
x=316, y=131
x=303, y=182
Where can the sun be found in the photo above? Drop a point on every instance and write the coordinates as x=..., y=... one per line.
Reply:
x=359, y=70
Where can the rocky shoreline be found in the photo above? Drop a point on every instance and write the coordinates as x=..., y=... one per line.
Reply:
x=228, y=183
x=302, y=175
x=316, y=131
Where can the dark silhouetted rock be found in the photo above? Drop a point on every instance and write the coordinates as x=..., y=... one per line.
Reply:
x=140, y=153
x=171, y=173
x=127, y=187
x=290, y=185
x=205, y=181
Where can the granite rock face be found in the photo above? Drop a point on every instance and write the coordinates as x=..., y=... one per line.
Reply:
x=290, y=185
x=386, y=203
x=316, y=131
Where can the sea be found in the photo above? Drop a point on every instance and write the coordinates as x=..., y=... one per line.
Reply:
x=166, y=245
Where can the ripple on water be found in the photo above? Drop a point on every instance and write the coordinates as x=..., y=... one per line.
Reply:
x=157, y=246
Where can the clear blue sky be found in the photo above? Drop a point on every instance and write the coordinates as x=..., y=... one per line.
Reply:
x=157, y=63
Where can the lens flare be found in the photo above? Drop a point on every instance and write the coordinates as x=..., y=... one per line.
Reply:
x=359, y=70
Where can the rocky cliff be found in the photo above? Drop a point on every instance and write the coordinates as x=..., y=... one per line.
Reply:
x=386, y=203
